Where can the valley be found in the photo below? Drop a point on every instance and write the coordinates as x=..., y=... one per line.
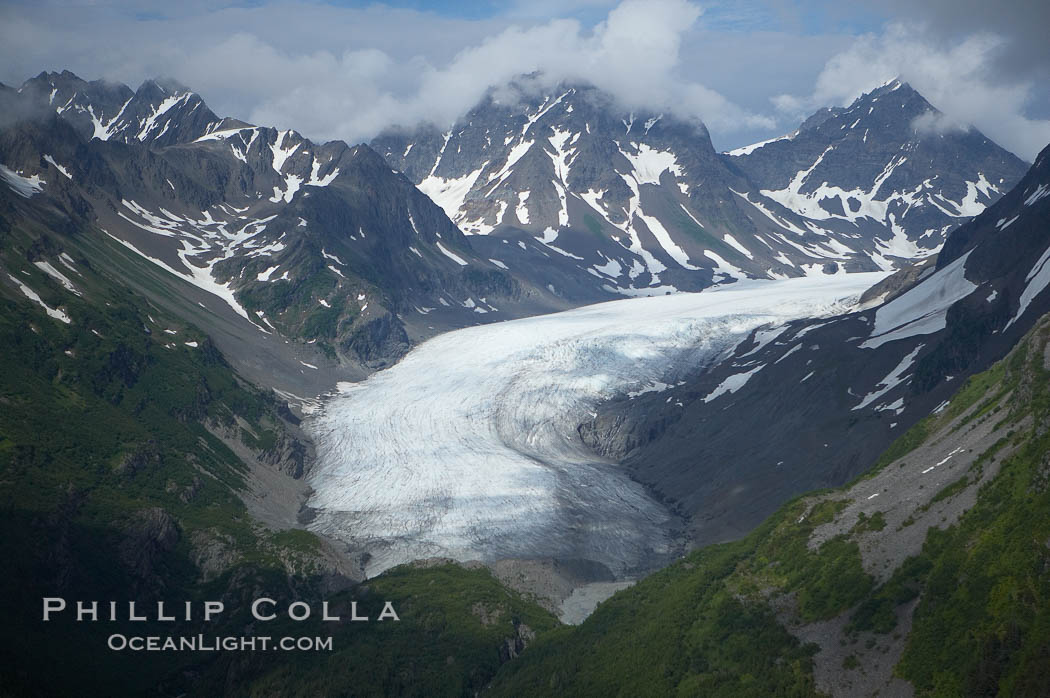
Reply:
x=469, y=448
x=740, y=417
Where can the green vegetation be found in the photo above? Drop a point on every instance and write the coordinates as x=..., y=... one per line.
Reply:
x=951, y=490
x=875, y=522
x=108, y=470
x=877, y=613
x=983, y=625
x=702, y=626
x=294, y=307
x=700, y=234
x=903, y=445
x=977, y=388
x=982, y=621
x=116, y=482
x=681, y=631
x=322, y=323
x=457, y=627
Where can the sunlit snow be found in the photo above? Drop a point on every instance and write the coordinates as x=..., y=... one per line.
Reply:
x=49, y=269
x=923, y=308
x=449, y=194
x=60, y=168
x=35, y=297
x=468, y=448
x=451, y=255
x=23, y=186
x=1037, y=279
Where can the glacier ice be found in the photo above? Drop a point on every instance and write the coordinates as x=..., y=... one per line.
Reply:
x=468, y=448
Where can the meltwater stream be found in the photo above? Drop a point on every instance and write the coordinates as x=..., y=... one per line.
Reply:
x=468, y=447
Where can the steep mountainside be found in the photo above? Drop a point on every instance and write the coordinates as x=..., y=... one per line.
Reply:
x=160, y=112
x=321, y=243
x=926, y=577
x=642, y=203
x=155, y=260
x=890, y=162
x=137, y=465
x=839, y=390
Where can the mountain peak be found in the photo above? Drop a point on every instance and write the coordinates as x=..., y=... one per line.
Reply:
x=52, y=75
x=905, y=101
x=161, y=111
x=896, y=92
x=891, y=85
x=818, y=117
x=165, y=86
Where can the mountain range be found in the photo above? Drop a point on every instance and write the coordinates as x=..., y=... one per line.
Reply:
x=310, y=262
x=321, y=243
x=177, y=286
x=324, y=244
x=842, y=389
x=643, y=204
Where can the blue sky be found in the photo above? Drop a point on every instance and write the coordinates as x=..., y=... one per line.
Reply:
x=810, y=17
x=750, y=70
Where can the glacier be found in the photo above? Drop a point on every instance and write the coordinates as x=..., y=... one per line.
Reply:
x=468, y=448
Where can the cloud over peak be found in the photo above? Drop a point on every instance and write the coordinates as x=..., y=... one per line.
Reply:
x=633, y=54
x=265, y=69
x=957, y=77
x=336, y=71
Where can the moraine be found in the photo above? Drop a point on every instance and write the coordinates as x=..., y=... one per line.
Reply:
x=468, y=448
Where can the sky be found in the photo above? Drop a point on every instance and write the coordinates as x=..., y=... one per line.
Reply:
x=751, y=69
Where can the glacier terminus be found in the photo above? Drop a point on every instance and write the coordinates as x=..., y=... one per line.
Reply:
x=468, y=448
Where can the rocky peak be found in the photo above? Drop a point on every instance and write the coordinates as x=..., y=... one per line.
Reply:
x=160, y=112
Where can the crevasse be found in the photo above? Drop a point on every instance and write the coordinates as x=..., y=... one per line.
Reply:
x=468, y=448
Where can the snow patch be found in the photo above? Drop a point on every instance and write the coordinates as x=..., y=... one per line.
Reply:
x=35, y=297
x=454, y=257
x=58, y=276
x=1036, y=281
x=450, y=194
x=733, y=383
x=748, y=149
x=23, y=186
x=892, y=380
x=58, y=167
x=923, y=308
x=649, y=164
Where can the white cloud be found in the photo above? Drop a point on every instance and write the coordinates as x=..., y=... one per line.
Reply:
x=333, y=71
x=284, y=66
x=633, y=54
x=932, y=123
x=957, y=78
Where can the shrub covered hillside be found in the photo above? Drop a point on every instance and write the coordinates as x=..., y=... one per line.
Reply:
x=126, y=445
x=933, y=570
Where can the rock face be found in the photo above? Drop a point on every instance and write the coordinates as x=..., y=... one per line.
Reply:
x=148, y=536
x=807, y=405
x=159, y=113
x=566, y=200
x=555, y=199
x=317, y=242
x=514, y=646
x=213, y=553
x=888, y=163
x=639, y=203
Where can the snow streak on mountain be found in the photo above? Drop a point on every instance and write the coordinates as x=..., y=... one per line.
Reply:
x=318, y=242
x=469, y=447
x=643, y=204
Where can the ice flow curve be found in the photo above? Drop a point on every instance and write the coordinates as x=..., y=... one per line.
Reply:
x=468, y=447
